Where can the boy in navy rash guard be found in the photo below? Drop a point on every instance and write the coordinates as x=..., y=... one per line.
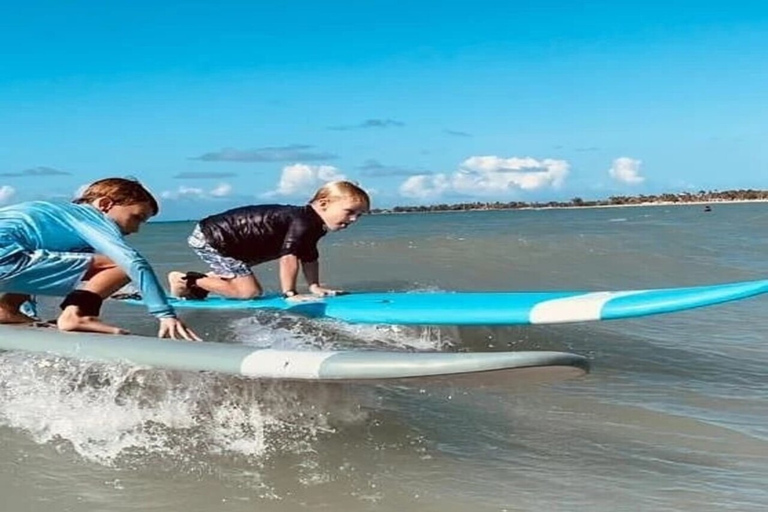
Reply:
x=235, y=240
x=48, y=248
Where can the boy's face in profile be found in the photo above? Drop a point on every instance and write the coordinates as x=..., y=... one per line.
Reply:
x=340, y=212
x=128, y=217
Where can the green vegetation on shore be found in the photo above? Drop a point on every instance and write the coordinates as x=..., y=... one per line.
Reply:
x=668, y=198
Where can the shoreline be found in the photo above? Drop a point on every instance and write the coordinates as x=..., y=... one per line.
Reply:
x=653, y=203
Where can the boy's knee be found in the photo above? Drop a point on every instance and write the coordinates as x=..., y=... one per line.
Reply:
x=247, y=294
x=246, y=288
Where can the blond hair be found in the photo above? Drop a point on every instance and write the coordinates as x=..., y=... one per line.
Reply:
x=342, y=189
x=122, y=191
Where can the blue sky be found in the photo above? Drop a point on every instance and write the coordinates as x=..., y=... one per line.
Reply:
x=218, y=104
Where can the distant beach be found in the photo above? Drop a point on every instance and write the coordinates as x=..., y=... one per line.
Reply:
x=668, y=199
x=659, y=203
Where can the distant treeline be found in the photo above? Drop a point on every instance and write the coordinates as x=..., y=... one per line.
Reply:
x=681, y=198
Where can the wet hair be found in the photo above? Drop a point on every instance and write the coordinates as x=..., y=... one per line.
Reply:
x=342, y=189
x=122, y=191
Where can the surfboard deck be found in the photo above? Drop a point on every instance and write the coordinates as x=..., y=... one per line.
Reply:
x=325, y=366
x=491, y=308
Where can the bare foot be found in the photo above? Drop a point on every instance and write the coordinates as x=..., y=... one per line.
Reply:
x=72, y=322
x=178, y=284
x=14, y=317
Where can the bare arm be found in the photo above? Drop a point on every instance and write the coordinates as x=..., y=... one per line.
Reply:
x=311, y=273
x=289, y=271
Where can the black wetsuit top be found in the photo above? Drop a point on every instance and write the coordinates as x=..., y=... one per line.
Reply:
x=255, y=234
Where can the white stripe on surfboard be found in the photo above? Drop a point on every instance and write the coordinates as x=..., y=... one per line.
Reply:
x=574, y=309
x=297, y=364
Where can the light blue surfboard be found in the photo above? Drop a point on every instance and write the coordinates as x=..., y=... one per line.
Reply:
x=492, y=308
x=360, y=366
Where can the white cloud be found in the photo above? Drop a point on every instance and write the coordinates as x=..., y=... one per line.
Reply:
x=302, y=179
x=626, y=170
x=425, y=186
x=6, y=193
x=222, y=190
x=489, y=175
x=185, y=192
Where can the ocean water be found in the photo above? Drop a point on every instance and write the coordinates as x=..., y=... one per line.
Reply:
x=671, y=418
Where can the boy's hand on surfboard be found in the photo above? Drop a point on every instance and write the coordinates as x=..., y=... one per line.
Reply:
x=318, y=290
x=175, y=329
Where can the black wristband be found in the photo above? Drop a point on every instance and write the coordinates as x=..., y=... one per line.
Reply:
x=88, y=303
x=289, y=293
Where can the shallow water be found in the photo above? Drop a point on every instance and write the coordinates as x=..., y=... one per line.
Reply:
x=672, y=417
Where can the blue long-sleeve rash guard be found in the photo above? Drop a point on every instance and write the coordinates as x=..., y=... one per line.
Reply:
x=69, y=227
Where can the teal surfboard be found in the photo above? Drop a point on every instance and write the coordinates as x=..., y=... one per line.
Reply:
x=264, y=363
x=492, y=308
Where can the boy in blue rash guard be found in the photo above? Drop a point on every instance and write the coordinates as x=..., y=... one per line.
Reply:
x=233, y=241
x=49, y=248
